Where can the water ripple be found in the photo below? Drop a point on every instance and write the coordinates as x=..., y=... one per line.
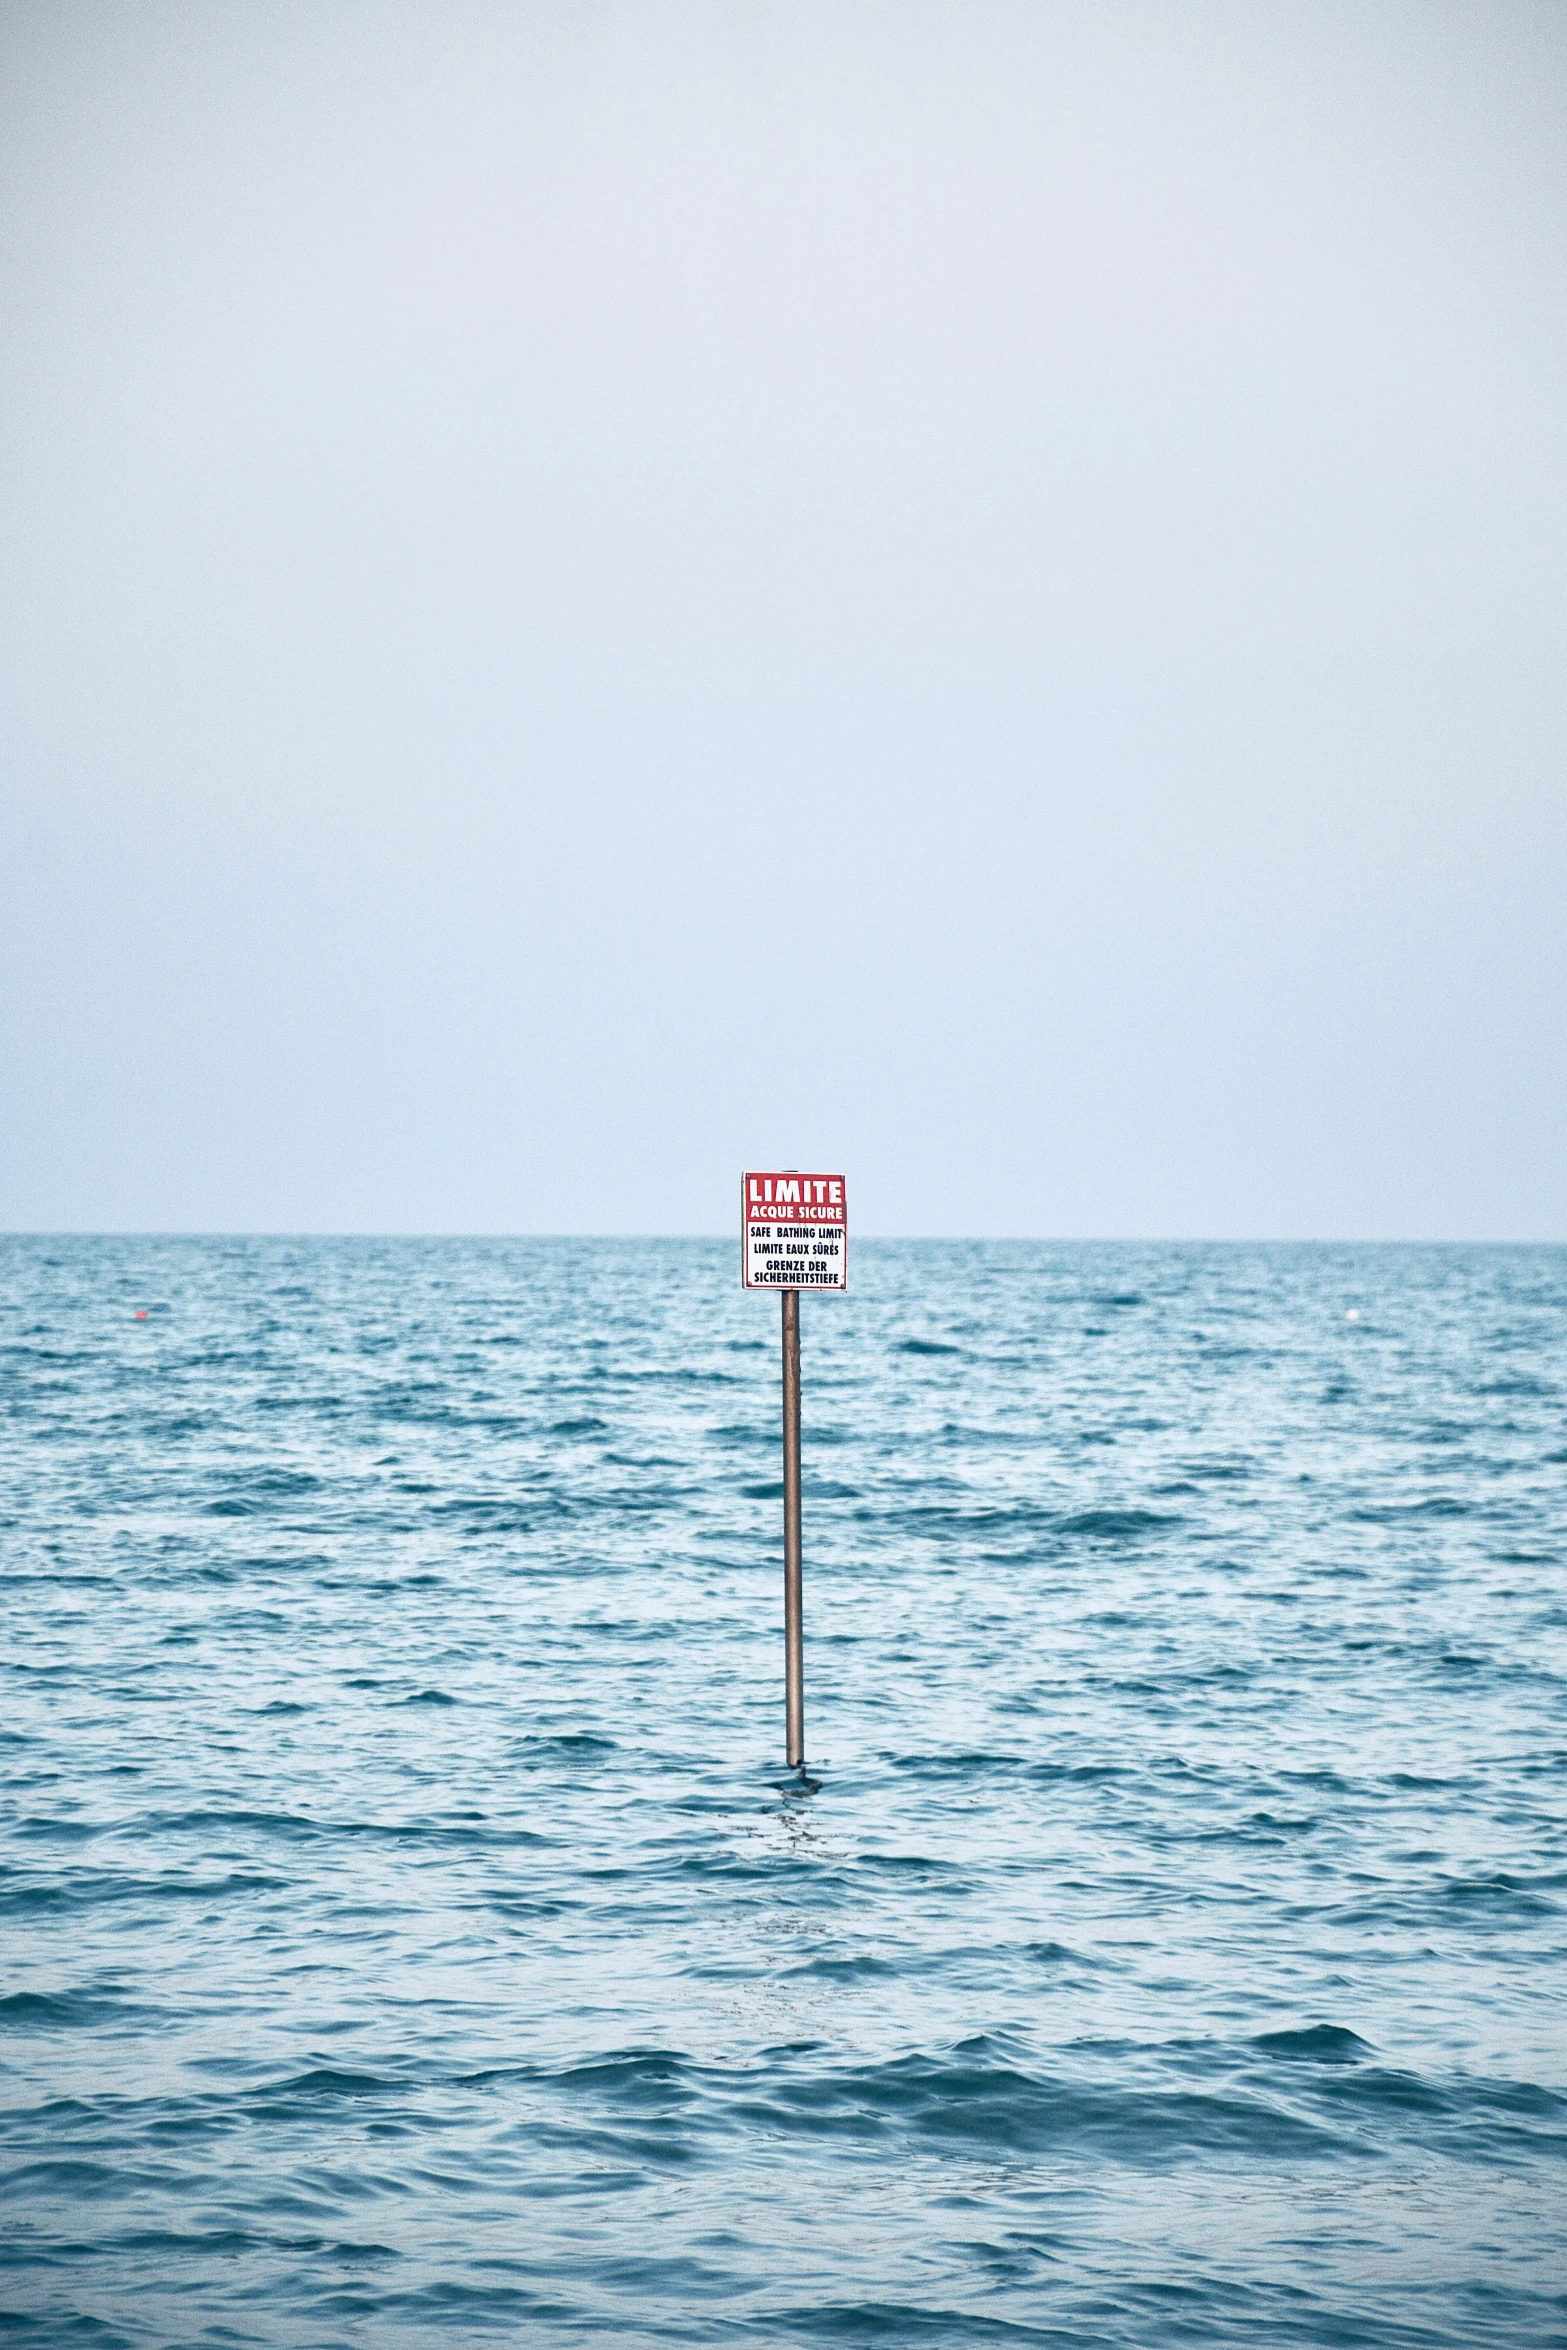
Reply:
x=411, y=1934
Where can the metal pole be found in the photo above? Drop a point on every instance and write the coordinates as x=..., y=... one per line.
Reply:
x=794, y=1593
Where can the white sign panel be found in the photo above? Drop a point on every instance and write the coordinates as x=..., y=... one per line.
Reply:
x=795, y=1230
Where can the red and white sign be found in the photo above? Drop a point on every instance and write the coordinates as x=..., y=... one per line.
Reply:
x=795, y=1231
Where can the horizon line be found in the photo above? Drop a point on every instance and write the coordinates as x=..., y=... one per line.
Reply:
x=727, y=1239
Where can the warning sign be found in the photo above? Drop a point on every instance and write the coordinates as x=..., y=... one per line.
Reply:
x=795, y=1231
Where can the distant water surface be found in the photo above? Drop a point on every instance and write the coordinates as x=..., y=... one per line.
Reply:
x=410, y=1934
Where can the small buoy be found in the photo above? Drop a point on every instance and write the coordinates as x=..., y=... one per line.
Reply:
x=141, y=1313
x=1353, y=1315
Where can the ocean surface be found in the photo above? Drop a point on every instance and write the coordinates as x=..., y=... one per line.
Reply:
x=410, y=1931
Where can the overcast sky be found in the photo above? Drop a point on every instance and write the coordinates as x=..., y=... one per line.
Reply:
x=592, y=595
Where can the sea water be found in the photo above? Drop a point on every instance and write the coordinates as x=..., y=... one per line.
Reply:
x=412, y=1935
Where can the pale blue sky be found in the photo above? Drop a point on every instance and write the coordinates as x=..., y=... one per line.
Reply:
x=594, y=595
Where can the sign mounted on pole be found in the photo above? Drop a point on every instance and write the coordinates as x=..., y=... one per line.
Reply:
x=796, y=1231
x=794, y=1235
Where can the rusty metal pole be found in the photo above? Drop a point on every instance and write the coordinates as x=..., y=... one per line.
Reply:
x=794, y=1588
